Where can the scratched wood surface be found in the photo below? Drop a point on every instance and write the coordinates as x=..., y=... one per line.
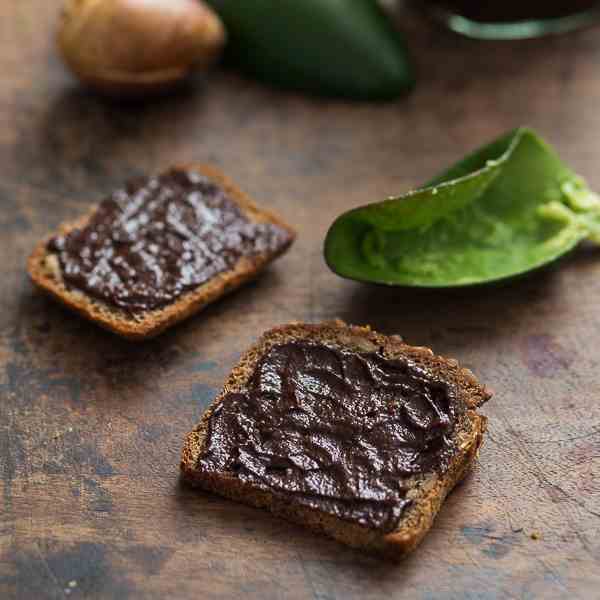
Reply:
x=91, y=427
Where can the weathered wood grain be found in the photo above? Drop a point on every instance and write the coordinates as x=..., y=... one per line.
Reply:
x=91, y=427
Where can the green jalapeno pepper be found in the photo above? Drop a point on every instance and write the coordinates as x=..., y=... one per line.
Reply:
x=332, y=47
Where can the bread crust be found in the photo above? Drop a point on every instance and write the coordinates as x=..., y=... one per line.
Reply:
x=430, y=490
x=45, y=274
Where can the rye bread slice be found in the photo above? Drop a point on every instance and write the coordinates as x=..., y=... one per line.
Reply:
x=44, y=269
x=427, y=492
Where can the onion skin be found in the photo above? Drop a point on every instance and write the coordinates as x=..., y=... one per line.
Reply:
x=134, y=48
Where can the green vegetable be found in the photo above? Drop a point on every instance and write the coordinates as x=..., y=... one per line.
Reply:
x=331, y=47
x=510, y=207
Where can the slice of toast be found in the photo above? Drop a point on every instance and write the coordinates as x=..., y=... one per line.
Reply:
x=427, y=492
x=45, y=272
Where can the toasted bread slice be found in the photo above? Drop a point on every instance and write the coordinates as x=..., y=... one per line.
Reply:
x=427, y=492
x=44, y=270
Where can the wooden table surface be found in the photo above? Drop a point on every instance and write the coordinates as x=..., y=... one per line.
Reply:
x=91, y=427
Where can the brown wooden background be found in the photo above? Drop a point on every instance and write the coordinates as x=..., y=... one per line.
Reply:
x=91, y=427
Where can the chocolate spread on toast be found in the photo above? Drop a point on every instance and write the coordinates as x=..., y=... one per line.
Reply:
x=159, y=237
x=335, y=430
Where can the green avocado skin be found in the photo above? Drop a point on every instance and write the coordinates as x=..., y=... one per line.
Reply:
x=507, y=209
x=345, y=48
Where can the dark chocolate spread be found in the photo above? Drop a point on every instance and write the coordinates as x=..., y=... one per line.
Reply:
x=158, y=237
x=335, y=430
x=516, y=10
